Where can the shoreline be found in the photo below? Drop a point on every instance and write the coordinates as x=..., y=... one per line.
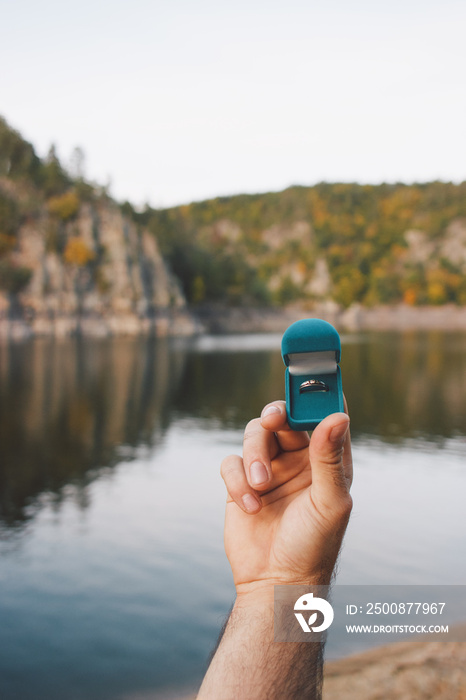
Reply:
x=405, y=670
x=418, y=670
x=219, y=320
x=356, y=318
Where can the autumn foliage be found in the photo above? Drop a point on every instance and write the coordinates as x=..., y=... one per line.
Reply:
x=359, y=230
x=64, y=206
x=77, y=252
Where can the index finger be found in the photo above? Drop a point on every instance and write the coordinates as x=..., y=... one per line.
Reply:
x=273, y=418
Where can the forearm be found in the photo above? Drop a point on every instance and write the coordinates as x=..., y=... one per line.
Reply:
x=249, y=664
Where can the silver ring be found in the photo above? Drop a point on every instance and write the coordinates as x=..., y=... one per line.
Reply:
x=313, y=385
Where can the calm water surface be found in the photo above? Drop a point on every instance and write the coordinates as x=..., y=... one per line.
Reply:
x=113, y=580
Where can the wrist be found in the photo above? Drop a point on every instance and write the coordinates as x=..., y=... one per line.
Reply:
x=262, y=590
x=255, y=595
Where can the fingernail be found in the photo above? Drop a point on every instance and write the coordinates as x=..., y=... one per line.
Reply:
x=270, y=410
x=259, y=474
x=337, y=434
x=250, y=503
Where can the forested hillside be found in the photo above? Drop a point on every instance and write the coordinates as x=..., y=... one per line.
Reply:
x=372, y=244
x=67, y=249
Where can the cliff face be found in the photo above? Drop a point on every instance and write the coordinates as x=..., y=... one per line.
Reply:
x=96, y=273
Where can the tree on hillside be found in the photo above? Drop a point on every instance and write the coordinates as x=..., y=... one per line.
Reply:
x=17, y=156
x=54, y=180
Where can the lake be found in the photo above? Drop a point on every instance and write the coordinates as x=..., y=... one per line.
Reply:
x=113, y=579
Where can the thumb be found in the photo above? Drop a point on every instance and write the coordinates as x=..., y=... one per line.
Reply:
x=329, y=453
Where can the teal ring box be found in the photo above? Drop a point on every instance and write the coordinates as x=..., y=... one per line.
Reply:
x=311, y=351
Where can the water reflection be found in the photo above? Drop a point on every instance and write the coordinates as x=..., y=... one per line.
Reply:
x=407, y=385
x=398, y=386
x=69, y=410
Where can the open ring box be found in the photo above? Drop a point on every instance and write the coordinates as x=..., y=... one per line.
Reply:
x=311, y=351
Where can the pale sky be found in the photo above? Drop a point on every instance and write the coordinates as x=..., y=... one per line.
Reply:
x=184, y=100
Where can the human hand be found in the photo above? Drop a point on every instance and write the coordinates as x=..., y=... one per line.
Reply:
x=288, y=501
x=287, y=509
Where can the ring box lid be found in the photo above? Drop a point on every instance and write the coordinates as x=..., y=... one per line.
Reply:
x=310, y=335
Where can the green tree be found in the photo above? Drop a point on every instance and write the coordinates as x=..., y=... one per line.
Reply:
x=9, y=215
x=17, y=156
x=13, y=278
x=53, y=178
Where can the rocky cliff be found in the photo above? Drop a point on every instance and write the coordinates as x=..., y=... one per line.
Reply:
x=94, y=272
